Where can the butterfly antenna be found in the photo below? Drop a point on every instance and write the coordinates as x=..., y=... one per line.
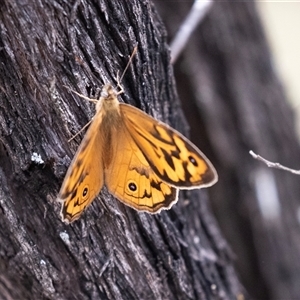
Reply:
x=127, y=66
x=86, y=98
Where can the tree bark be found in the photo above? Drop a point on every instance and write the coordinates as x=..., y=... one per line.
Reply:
x=227, y=79
x=112, y=252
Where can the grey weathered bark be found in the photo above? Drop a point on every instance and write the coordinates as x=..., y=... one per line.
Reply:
x=112, y=252
x=227, y=71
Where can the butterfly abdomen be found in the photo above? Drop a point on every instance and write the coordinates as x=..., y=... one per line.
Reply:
x=110, y=130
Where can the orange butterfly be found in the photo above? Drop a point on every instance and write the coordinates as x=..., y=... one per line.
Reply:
x=143, y=162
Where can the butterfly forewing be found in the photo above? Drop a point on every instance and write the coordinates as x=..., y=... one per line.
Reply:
x=84, y=178
x=172, y=157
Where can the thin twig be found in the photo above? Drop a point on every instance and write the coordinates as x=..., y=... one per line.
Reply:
x=272, y=164
x=196, y=14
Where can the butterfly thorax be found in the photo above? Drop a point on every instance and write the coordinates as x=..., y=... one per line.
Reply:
x=110, y=109
x=111, y=122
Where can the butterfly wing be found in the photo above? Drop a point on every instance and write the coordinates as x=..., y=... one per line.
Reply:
x=84, y=178
x=130, y=178
x=170, y=155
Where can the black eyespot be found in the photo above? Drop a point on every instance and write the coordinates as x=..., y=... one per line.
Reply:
x=132, y=186
x=85, y=192
x=193, y=161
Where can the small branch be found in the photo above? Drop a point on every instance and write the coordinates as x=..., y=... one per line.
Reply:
x=272, y=164
x=195, y=16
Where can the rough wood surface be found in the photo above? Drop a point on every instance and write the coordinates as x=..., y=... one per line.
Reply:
x=112, y=252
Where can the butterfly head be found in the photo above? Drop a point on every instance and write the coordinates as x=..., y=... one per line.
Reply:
x=108, y=93
x=108, y=98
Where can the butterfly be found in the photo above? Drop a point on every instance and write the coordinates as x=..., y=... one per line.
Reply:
x=142, y=162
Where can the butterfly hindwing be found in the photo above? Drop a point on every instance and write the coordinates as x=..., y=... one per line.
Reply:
x=132, y=180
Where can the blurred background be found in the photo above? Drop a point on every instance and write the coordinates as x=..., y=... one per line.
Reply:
x=237, y=79
x=281, y=21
